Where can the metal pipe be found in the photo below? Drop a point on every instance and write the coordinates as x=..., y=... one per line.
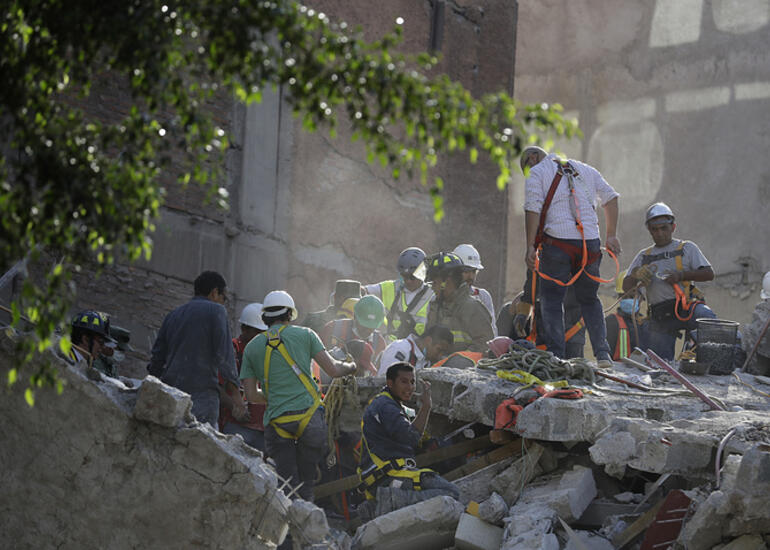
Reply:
x=721, y=448
x=685, y=382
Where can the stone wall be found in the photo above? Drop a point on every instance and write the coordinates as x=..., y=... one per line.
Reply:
x=672, y=99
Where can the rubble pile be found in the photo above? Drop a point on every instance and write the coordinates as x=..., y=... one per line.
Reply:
x=121, y=463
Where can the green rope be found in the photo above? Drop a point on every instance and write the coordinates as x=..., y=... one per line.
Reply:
x=543, y=364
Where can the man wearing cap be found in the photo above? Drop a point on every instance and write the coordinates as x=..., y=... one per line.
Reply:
x=359, y=337
x=667, y=270
x=560, y=211
x=407, y=298
x=252, y=430
x=472, y=261
x=194, y=347
x=279, y=360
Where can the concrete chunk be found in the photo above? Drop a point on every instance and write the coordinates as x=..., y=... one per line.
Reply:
x=494, y=509
x=754, y=472
x=590, y=541
x=427, y=525
x=160, y=403
x=476, y=534
x=746, y=542
x=310, y=519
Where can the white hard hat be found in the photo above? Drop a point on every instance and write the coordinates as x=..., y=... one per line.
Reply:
x=278, y=301
x=251, y=316
x=469, y=255
x=656, y=210
x=765, y=294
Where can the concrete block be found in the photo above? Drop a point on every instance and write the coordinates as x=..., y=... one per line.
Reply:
x=754, y=472
x=577, y=489
x=427, y=525
x=160, y=403
x=588, y=540
x=476, y=486
x=746, y=542
x=476, y=534
x=310, y=519
x=494, y=509
x=532, y=540
x=510, y=482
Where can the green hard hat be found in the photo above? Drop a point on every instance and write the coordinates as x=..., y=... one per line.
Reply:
x=370, y=312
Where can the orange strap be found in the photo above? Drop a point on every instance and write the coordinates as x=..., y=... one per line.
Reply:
x=681, y=302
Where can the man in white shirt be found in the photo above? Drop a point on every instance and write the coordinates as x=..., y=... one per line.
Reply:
x=560, y=209
x=419, y=351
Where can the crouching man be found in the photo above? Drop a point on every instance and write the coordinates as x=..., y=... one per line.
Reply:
x=391, y=441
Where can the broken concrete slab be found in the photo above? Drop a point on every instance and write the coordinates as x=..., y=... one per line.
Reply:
x=511, y=481
x=89, y=472
x=588, y=541
x=493, y=510
x=476, y=486
x=162, y=404
x=310, y=520
x=746, y=542
x=427, y=525
x=476, y=534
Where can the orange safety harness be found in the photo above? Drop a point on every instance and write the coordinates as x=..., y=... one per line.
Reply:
x=682, y=302
x=566, y=169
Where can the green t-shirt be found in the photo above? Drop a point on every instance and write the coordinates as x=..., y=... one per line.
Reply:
x=286, y=392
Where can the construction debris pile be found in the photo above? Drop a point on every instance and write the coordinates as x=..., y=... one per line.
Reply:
x=640, y=463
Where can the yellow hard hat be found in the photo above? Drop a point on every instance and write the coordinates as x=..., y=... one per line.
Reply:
x=619, y=281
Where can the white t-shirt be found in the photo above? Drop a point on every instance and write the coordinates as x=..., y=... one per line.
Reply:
x=401, y=350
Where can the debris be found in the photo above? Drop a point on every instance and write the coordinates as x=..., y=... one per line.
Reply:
x=746, y=542
x=476, y=534
x=637, y=527
x=511, y=481
x=689, y=385
x=626, y=497
x=427, y=525
x=485, y=460
x=493, y=509
x=161, y=404
x=667, y=524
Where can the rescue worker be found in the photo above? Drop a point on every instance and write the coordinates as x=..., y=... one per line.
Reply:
x=407, y=298
x=391, y=441
x=560, y=213
x=472, y=262
x=251, y=430
x=279, y=360
x=90, y=334
x=455, y=308
x=667, y=271
x=194, y=347
x=419, y=351
x=625, y=329
x=359, y=337
x=344, y=290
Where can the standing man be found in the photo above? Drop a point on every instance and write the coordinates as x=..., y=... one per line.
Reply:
x=455, y=308
x=406, y=299
x=472, y=262
x=251, y=430
x=667, y=270
x=279, y=359
x=194, y=345
x=560, y=209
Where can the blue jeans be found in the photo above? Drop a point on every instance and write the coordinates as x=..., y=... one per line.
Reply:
x=556, y=263
x=205, y=406
x=662, y=335
x=254, y=438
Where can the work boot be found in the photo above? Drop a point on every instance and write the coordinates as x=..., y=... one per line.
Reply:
x=604, y=361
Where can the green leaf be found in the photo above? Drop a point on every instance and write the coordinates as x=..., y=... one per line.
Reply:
x=474, y=155
x=12, y=376
x=29, y=396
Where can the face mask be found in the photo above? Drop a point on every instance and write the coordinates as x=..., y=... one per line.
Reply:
x=627, y=306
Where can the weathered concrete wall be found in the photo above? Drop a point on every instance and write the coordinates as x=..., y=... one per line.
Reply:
x=672, y=97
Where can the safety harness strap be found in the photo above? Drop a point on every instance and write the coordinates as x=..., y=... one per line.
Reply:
x=622, y=347
x=274, y=342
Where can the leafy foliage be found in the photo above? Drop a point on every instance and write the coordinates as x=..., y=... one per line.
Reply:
x=86, y=188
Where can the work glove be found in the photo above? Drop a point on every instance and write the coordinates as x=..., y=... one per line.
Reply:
x=643, y=274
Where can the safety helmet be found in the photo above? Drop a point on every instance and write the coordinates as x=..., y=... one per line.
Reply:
x=277, y=302
x=441, y=262
x=765, y=294
x=412, y=262
x=251, y=316
x=500, y=345
x=347, y=310
x=656, y=210
x=469, y=255
x=369, y=312
x=93, y=321
x=619, y=281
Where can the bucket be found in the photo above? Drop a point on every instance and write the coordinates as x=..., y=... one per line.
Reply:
x=716, y=344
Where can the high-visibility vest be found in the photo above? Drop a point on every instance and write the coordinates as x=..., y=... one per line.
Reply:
x=419, y=311
x=274, y=342
x=403, y=468
x=622, y=346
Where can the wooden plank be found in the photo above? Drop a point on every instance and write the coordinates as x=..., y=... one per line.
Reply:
x=458, y=449
x=423, y=460
x=637, y=527
x=482, y=462
x=499, y=437
x=599, y=510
